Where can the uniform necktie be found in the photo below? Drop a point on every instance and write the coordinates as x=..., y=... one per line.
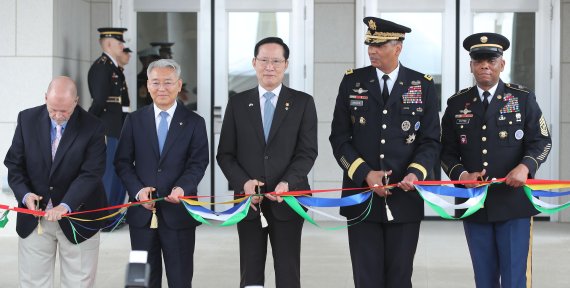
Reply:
x=268, y=111
x=486, y=95
x=162, y=130
x=385, y=93
x=55, y=142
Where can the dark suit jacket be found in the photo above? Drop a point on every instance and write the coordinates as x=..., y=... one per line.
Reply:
x=73, y=177
x=290, y=151
x=514, y=114
x=403, y=132
x=107, y=80
x=182, y=163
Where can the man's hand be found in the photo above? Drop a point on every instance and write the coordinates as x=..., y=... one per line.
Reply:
x=518, y=176
x=281, y=187
x=174, y=195
x=31, y=200
x=376, y=178
x=55, y=213
x=250, y=188
x=407, y=184
x=146, y=194
x=475, y=176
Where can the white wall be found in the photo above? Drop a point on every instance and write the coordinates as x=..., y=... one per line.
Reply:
x=42, y=39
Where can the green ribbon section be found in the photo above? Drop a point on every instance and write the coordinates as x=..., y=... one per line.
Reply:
x=443, y=214
x=198, y=218
x=294, y=204
x=553, y=210
x=4, y=219
x=239, y=216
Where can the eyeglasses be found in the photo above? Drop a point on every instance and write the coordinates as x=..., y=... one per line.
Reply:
x=166, y=85
x=274, y=62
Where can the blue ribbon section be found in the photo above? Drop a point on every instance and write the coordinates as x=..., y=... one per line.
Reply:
x=454, y=191
x=205, y=210
x=542, y=193
x=334, y=202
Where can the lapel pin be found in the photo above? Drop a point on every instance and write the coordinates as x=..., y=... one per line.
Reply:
x=371, y=80
x=181, y=123
x=250, y=104
x=286, y=106
x=401, y=83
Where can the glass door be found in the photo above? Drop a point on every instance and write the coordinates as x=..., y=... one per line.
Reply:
x=172, y=29
x=238, y=27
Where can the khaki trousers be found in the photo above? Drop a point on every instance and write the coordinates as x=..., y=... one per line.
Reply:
x=37, y=253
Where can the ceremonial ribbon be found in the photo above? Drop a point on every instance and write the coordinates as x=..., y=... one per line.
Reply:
x=430, y=191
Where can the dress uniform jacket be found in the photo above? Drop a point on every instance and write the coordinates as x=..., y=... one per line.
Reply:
x=511, y=131
x=108, y=89
x=405, y=133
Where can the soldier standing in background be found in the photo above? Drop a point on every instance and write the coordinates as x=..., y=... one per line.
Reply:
x=108, y=89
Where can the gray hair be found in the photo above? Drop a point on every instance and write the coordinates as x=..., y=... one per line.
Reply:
x=164, y=63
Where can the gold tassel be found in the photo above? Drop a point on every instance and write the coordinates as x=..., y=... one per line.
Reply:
x=40, y=230
x=263, y=220
x=389, y=213
x=154, y=220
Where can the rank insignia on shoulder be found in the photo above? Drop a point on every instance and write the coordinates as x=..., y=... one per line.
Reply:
x=428, y=77
x=517, y=87
x=348, y=72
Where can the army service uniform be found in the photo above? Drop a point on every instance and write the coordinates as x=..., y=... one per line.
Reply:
x=401, y=135
x=511, y=131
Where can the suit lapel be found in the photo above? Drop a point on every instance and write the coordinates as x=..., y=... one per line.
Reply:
x=254, y=111
x=44, y=129
x=373, y=85
x=399, y=88
x=150, y=121
x=284, y=103
x=68, y=137
x=496, y=104
x=477, y=106
x=176, y=126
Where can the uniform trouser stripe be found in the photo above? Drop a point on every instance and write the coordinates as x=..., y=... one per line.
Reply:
x=529, y=257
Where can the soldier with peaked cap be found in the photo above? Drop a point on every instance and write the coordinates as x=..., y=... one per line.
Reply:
x=108, y=89
x=496, y=130
x=385, y=129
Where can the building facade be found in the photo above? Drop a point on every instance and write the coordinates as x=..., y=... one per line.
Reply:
x=213, y=40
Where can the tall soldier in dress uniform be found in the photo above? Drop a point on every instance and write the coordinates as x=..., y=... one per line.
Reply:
x=385, y=130
x=108, y=89
x=496, y=130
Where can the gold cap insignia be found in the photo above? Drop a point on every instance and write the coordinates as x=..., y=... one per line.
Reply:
x=484, y=39
x=372, y=24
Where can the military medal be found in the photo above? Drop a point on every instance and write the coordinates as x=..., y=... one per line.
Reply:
x=406, y=125
x=519, y=134
x=417, y=126
x=503, y=135
x=411, y=138
x=518, y=115
x=362, y=121
x=360, y=90
x=463, y=139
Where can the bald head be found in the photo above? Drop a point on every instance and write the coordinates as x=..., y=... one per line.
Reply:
x=61, y=99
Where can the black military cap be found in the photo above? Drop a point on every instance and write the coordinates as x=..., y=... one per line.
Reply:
x=112, y=32
x=486, y=45
x=381, y=31
x=165, y=49
x=127, y=50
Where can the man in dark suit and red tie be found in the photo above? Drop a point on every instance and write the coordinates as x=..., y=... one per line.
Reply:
x=55, y=164
x=269, y=142
x=163, y=152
